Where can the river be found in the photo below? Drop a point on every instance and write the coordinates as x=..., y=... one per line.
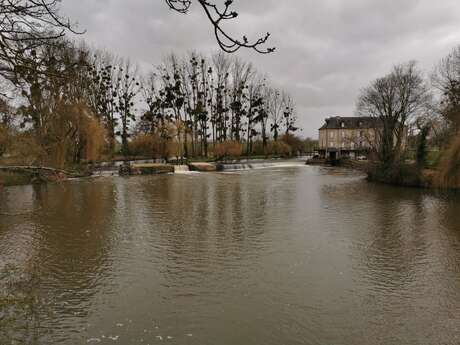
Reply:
x=278, y=256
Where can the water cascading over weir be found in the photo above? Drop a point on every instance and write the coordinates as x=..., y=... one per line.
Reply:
x=181, y=169
x=254, y=164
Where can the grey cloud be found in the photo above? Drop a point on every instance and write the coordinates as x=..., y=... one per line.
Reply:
x=326, y=50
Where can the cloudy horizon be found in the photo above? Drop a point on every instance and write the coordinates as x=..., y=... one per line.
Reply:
x=326, y=52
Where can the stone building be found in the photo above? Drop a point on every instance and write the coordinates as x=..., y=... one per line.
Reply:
x=347, y=136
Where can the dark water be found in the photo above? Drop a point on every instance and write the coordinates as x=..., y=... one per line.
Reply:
x=301, y=255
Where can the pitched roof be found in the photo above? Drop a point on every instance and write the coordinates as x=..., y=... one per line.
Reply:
x=338, y=122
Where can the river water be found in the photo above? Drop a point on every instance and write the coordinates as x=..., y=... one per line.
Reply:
x=292, y=255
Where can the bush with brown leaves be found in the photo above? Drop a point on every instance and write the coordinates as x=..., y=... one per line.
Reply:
x=279, y=148
x=228, y=149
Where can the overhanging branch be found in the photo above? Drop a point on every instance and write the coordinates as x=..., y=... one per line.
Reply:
x=217, y=17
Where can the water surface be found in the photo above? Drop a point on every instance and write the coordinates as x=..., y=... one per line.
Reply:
x=300, y=255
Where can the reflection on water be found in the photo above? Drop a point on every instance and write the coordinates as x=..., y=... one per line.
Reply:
x=300, y=255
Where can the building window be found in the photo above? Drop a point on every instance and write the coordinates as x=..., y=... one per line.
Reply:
x=343, y=134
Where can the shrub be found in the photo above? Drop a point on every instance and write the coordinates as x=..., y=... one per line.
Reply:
x=258, y=148
x=152, y=145
x=143, y=145
x=228, y=149
x=279, y=148
x=94, y=137
x=27, y=150
x=401, y=174
x=5, y=139
x=296, y=144
x=449, y=168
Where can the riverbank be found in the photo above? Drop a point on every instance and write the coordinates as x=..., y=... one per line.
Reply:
x=405, y=175
x=15, y=179
x=23, y=175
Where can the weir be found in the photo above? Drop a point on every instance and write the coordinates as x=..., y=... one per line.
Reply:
x=254, y=164
x=181, y=169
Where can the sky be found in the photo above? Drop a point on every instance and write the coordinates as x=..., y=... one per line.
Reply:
x=326, y=50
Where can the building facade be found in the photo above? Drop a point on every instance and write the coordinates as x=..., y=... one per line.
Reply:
x=347, y=136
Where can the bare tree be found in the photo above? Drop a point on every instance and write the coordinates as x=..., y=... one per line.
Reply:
x=221, y=65
x=289, y=114
x=217, y=17
x=395, y=100
x=262, y=116
x=128, y=87
x=242, y=73
x=26, y=25
x=275, y=105
x=102, y=92
x=174, y=91
x=447, y=80
x=255, y=106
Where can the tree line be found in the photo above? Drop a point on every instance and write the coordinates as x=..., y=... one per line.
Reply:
x=75, y=104
x=223, y=102
x=64, y=103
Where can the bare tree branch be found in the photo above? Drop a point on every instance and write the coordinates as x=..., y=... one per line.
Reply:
x=26, y=25
x=217, y=17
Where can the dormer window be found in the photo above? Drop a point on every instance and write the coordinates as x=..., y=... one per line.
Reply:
x=360, y=124
x=342, y=124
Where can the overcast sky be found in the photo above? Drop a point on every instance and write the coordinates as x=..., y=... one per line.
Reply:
x=327, y=50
